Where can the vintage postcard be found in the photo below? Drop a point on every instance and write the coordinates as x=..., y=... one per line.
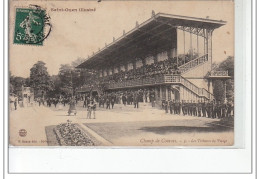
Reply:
x=121, y=73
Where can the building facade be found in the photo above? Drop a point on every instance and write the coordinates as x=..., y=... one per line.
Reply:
x=169, y=54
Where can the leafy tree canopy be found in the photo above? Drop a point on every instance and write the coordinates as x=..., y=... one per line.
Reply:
x=40, y=78
x=16, y=83
x=228, y=65
x=71, y=77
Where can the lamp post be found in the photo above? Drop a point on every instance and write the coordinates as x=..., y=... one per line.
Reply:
x=71, y=83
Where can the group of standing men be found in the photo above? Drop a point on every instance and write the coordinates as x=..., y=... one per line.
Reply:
x=125, y=98
x=210, y=109
x=107, y=99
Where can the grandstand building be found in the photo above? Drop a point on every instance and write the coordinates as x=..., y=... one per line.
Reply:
x=169, y=54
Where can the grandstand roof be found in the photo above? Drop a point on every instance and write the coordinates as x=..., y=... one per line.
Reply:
x=154, y=34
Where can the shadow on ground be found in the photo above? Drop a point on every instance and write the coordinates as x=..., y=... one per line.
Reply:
x=211, y=127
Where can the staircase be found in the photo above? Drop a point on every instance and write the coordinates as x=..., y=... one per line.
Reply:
x=193, y=63
x=178, y=79
x=200, y=92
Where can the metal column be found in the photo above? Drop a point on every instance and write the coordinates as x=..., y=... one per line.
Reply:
x=198, y=41
x=225, y=91
x=177, y=48
x=191, y=43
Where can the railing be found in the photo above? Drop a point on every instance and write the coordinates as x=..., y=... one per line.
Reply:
x=196, y=89
x=172, y=78
x=161, y=79
x=205, y=93
x=190, y=85
x=193, y=63
x=219, y=73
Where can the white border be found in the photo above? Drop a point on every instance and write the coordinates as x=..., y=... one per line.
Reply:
x=153, y=160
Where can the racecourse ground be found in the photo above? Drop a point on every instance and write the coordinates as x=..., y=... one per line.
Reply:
x=121, y=126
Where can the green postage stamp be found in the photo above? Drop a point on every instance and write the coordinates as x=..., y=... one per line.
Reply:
x=32, y=26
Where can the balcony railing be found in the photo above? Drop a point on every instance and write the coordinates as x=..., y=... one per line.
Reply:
x=193, y=63
x=161, y=79
x=172, y=79
x=156, y=80
x=219, y=73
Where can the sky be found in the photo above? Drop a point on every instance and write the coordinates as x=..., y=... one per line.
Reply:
x=77, y=34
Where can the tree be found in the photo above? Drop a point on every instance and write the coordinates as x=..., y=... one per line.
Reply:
x=77, y=62
x=11, y=88
x=69, y=77
x=218, y=89
x=72, y=78
x=83, y=74
x=56, y=90
x=16, y=84
x=226, y=65
x=39, y=78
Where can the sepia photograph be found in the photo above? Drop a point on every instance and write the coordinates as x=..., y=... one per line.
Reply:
x=121, y=73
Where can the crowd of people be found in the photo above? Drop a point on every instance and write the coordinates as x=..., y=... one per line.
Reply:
x=129, y=97
x=17, y=101
x=60, y=101
x=168, y=66
x=208, y=109
x=107, y=100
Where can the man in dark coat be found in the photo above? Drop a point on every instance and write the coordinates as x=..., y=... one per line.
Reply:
x=166, y=106
x=124, y=99
x=175, y=108
x=199, y=108
x=178, y=107
x=203, y=108
x=224, y=110
x=152, y=98
x=194, y=108
x=190, y=108
x=214, y=109
x=108, y=103
x=208, y=109
x=171, y=106
x=218, y=110
x=136, y=100
x=112, y=102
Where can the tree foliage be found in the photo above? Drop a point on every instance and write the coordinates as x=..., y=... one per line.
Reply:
x=16, y=83
x=71, y=77
x=55, y=92
x=39, y=78
x=77, y=62
x=226, y=65
x=68, y=79
x=218, y=90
